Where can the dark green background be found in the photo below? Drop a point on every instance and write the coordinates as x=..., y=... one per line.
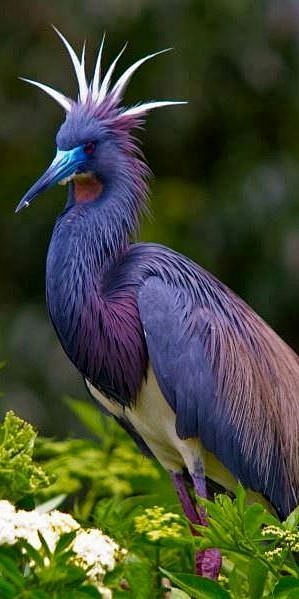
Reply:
x=226, y=187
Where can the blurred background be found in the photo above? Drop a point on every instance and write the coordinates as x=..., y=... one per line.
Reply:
x=226, y=166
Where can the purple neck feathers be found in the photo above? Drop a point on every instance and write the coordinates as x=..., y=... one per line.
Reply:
x=99, y=330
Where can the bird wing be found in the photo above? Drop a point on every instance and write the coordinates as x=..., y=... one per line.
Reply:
x=184, y=342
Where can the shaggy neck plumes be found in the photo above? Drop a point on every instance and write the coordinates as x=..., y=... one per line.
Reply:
x=88, y=241
x=104, y=225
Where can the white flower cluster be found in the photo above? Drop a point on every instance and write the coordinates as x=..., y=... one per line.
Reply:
x=94, y=551
x=22, y=524
x=97, y=552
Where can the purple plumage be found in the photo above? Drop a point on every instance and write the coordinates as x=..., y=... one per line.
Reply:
x=193, y=374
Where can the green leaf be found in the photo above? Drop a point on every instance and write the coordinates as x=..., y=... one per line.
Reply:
x=179, y=594
x=64, y=542
x=32, y=553
x=196, y=586
x=51, y=504
x=90, y=416
x=257, y=576
x=45, y=546
x=240, y=560
x=286, y=586
x=254, y=516
x=240, y=499
x=220, y=537
x=7, y=590
x=9, y=570
x=237, y=582
x=292, y=520
x=139, y=575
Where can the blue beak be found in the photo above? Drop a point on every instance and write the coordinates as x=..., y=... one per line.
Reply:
x=65, y=163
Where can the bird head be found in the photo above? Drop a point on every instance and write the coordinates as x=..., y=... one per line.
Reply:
x=94, y=142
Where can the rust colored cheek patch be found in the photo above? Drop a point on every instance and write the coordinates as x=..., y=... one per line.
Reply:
x=86, y=187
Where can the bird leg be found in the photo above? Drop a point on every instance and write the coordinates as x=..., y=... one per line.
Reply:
x=208, y=561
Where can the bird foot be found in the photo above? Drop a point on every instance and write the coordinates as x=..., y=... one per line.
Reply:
x=208, y=563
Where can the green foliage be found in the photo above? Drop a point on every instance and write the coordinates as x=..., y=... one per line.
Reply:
x=129, y=522
x=107, y=483
x=111, y=466
x=20, y=475
x=54, y=575
x=196, y=587
x=259, y=550
x=156, y=524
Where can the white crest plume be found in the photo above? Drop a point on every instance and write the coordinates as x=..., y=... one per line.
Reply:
x=98, y=90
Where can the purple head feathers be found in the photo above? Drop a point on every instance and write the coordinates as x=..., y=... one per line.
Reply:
x=95, y=139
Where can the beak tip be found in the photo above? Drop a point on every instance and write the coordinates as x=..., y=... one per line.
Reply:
x=21, y=205
x=63, y=165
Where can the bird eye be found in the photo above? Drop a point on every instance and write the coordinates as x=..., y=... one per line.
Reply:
x=89, y=147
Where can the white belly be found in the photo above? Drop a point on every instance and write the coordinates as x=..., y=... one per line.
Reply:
x=154, y=420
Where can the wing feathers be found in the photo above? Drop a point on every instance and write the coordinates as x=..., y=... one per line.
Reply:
x=231, y=381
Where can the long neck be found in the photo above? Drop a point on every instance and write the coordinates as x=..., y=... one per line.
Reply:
x=88, y=240
x=106, y=223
